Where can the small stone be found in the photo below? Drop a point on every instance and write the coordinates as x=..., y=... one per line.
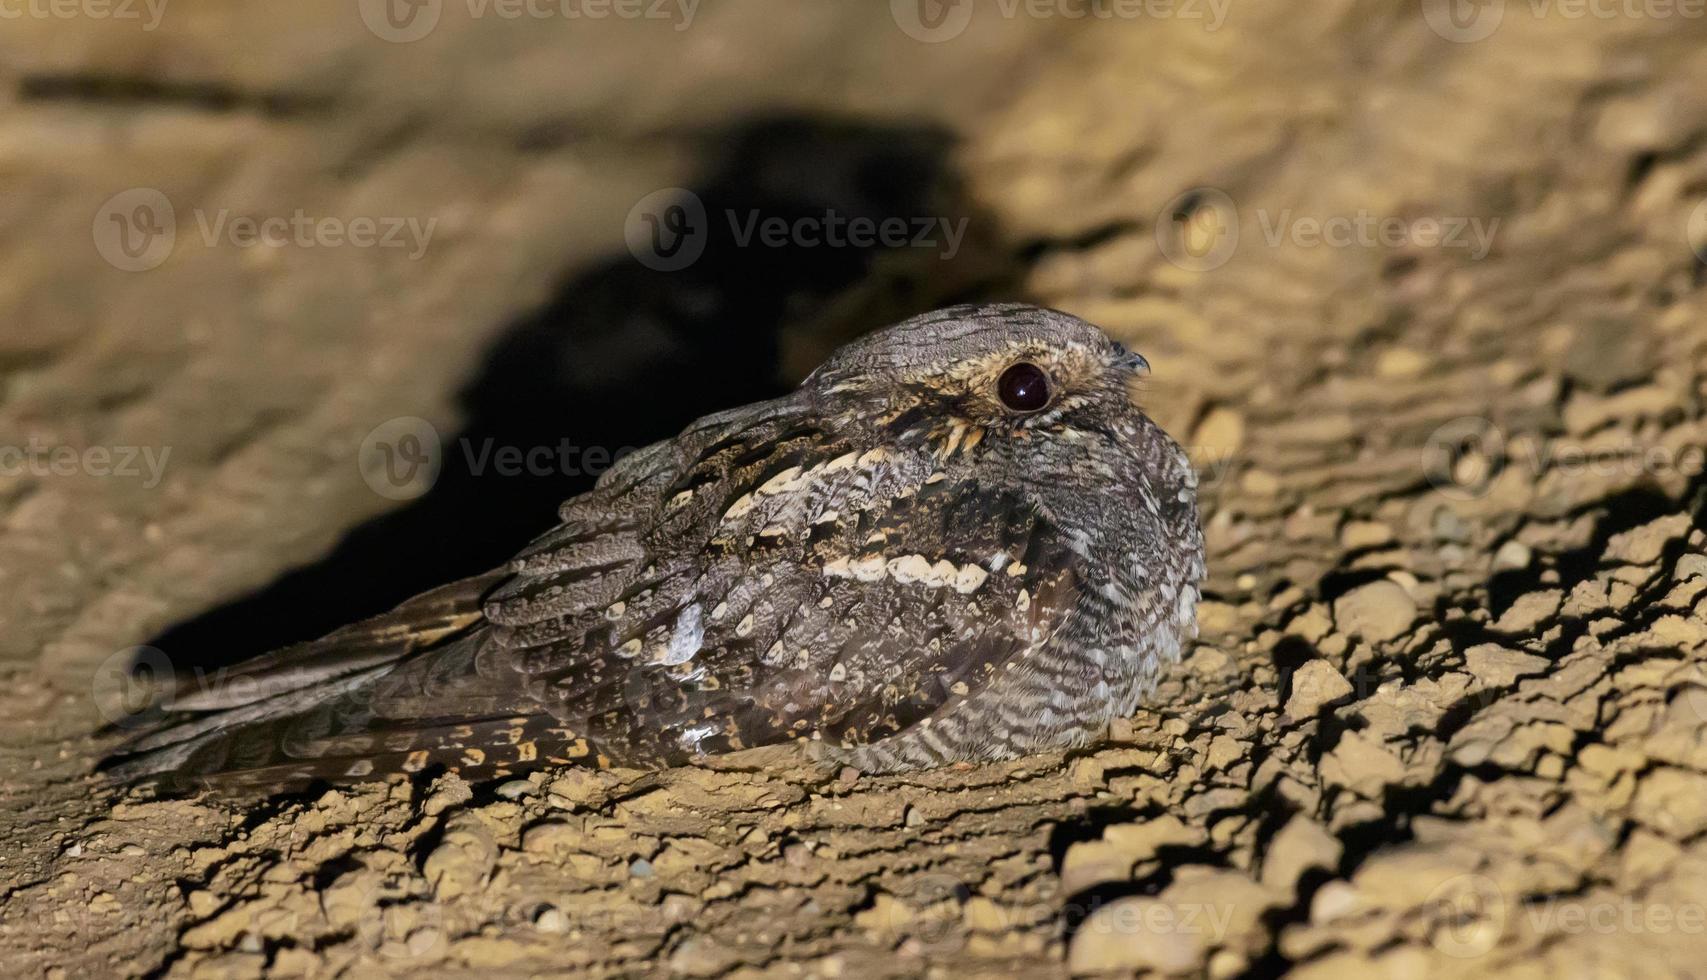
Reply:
x=1224, y=750
x=1088, y=864
x=515, y=789
x=1216, y=617
x=1236, y=901
x=1513, y=554
x=1690, y=566
x=1586, y=412
x=203, y=903
x=886, y=916
x=678, y=908
x=1357, y=535
x=1400, y=362
x=1364, y=766
x=797, y=855
x=1260, y=483
x=1208, y=662
x=1312, y=624
x=1301, y=845
x=1304, y=524
x=1606, y=352
x=1644, y=545
x=1672, y=801
x=447, y=791
x=1378, y=611
x=1445, y=524
x=1334, y=900
x=1496, y=666
x=1315, y=684
x=983, y=915
x=551, y=919
x=1113, y=938
x=701, y=956
x=1530, y=611
x=551, y=836
x=1225, y=964
x=1085, y=773
x=640, y=868
x=1646, y=855
x=574, y=788
x=1218, y=436
x=463, y=859
x=1143, y=838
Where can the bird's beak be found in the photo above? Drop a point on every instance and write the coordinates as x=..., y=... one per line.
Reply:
x=1135, y=363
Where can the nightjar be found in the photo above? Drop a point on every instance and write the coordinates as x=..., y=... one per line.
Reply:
x=960, y=539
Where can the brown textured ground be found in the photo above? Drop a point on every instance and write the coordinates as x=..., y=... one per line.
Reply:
x=1450, y=725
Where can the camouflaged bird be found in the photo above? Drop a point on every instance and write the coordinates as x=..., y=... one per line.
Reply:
x=960, y=539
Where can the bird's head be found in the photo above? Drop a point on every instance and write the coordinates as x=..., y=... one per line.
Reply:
x=1012, y=380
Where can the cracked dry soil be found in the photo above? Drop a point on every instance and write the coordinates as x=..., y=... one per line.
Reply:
x=1448, y=713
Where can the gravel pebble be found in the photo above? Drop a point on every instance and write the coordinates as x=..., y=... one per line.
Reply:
x=1378, y=611
x=1315, y=684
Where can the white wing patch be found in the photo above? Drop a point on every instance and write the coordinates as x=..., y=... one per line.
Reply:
x=910, y=570
x=686, y=640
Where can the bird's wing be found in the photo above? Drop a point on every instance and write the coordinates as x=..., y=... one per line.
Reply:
x=795, y=583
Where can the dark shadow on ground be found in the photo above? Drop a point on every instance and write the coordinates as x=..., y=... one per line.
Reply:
x=627, y=354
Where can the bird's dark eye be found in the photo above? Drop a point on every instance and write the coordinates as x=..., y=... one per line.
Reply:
x=1024, y=387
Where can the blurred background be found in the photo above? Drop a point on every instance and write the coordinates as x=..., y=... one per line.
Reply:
x=309, y=306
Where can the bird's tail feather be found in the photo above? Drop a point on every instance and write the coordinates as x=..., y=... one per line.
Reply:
x=322, y=746
x=305, y=709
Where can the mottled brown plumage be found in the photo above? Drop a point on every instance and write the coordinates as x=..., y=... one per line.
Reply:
x=923, y=555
